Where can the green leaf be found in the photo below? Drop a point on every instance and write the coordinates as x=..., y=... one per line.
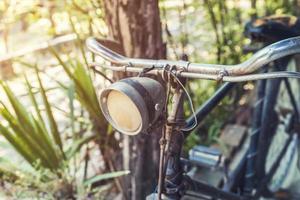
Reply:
x=27, y=136
x=77, y=144
x=20, y=111
x=71, y=95
x=40, y=126
x=53, y=125
x=16, y=144
x=84, y=88
x=105, y=177
x=79, y=43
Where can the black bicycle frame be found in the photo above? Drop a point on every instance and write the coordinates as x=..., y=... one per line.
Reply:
x=176, y=183
x=209, y=105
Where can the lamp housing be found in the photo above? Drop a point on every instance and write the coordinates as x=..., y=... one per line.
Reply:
x=132, y=105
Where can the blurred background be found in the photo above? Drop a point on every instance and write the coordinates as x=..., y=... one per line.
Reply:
x=55, y=143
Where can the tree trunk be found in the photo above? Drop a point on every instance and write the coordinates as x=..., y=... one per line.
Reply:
x=136, y=26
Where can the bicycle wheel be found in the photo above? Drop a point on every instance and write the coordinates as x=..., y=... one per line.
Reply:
x=271, y=141
x=287, y=108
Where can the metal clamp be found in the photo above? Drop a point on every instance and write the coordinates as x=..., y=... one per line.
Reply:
x=221, y=74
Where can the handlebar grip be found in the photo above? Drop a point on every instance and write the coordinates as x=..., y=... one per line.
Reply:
x=96, y=47
x=266, y=55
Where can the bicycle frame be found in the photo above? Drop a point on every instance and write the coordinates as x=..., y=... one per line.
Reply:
x=172, y=181
x=177, y=184
x=205, y=189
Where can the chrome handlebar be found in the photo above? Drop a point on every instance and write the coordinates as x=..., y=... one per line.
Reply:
x=231, y=73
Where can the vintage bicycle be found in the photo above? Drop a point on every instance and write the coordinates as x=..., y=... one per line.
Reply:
x=137, y=104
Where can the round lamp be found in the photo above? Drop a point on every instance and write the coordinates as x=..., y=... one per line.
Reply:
x=132, y=105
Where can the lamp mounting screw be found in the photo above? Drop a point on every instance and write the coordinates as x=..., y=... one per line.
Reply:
x=157, y=106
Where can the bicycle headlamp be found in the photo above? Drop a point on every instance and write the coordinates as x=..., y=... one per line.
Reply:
x=132, y=105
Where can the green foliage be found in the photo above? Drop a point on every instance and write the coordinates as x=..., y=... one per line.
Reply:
x=213, y=133
x=84, y=89
x=216, y=36
x=53, y=125
x=28, y=133
x=210, y=128
x=279, y=7
x=102, y=177
x=191, y=141
x=83, y=84
x=36, y=137
x=208, y=31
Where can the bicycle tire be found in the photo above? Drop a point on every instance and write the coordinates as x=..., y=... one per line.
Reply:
x=263, y=126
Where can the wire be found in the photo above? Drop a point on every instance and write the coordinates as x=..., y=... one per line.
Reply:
x=189, y=99
x=101, y=74
x=162, y=160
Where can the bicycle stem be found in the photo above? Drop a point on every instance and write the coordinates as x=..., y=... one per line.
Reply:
x=174, y=183
x=170, y=182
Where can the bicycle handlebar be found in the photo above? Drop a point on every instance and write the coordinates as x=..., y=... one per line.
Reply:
x=206, y=71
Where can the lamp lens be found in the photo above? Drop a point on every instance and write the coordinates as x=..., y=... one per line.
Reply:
x=123, y=111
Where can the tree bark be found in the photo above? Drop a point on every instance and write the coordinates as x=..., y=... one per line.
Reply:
x=135, y=25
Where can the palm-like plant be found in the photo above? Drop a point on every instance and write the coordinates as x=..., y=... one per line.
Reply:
x=37, y=139
x=28, y=133
x=79, y=73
